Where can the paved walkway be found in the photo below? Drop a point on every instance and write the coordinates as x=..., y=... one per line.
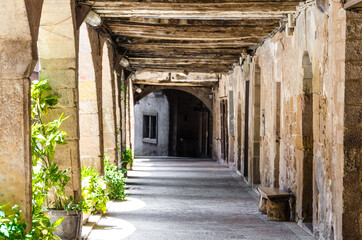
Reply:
x=187, y=199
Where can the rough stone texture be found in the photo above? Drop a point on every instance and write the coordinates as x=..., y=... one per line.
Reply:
x=91, y=142
x=278, y=210
x=352, y=180
x=17, y=60
x=194, y=199
x=316, y=140
x=58, y=41
x=109, y=104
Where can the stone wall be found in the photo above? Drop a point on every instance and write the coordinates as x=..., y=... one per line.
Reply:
x=352, y=181
x=154, y=104
x=303, y=143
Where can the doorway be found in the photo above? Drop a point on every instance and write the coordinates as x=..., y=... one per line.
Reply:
x=246, y=130
x=224, y=130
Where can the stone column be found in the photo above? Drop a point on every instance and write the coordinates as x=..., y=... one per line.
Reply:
x=17, y=60
x=91, y=150
x=131, y=115
x=117, y=110
x=58, y=41
x=352, y=177
x=108, y=104
x=254, y=126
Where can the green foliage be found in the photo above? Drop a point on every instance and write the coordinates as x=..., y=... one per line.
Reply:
x=115, y=180
x=49, y=180
x=47, y=177
x=94, y=191
x=127, y=157
x=41, y=98
x=11, y=226
x=44, y=139
x=42, y=228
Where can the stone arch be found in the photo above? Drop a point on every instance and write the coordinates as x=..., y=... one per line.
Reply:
x=108, y=104
x=91, y=140
x=306, y=126
x=199, y=92
x=58, y=55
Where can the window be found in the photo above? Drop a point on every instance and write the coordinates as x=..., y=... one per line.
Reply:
x=150, y=128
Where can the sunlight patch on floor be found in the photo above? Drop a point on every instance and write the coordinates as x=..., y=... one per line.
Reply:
x=112, y=228
x=131, y=204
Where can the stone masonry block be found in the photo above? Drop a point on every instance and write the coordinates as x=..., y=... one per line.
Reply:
x=57, y=64
x=68, y=97
x=353, y=92
x=87, y=91
x=352, y=137
x=70, y=125
x=89, y=146
x=352, y=115
x=88, y=125
x=353, y=71
x=354, y=50
x=350, y=225
x=88, y=107
x=59, y=79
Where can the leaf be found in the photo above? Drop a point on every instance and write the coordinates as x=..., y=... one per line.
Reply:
x=58, y=222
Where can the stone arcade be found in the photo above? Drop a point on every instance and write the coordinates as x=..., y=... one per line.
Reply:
x=281, y=80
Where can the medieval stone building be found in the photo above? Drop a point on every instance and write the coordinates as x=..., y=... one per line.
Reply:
x=272, y=89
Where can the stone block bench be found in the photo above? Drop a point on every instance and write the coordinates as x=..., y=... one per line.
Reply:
x=275, y=203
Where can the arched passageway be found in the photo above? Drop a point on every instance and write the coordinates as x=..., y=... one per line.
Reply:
x=172, y=122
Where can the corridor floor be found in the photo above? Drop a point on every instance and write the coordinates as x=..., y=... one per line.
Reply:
x=189, y=199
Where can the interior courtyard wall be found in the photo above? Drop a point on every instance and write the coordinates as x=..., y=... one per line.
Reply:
x=352, y=180
x=320, y=35
x=280, y=59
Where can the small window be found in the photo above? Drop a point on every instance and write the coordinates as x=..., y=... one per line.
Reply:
x=150, y=128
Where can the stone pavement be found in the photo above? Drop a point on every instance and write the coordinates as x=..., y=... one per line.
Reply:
x=189, y=199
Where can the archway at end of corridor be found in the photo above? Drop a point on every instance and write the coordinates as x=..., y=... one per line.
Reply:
x=170, y=122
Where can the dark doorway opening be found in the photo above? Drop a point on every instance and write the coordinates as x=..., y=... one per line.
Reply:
x=171, y=122
x=224, y=130
x=307, y=136
x=246, y=130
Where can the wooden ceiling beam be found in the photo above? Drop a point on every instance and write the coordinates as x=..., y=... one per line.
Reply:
x=196, y=69
x=250, y=6
x=190, y=22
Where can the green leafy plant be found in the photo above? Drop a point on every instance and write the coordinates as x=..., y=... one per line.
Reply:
x=94, y=191
x=49, y=180
x=11, y=226
x=115, y=180
x=42, y=228
x=127, y=157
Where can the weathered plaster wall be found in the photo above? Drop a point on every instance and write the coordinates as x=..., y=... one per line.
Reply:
x=316, y=36
x=301, y=142
x=152, y=103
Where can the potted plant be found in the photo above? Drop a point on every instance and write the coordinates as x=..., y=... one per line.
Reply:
x=127, y=158
x=49, y=180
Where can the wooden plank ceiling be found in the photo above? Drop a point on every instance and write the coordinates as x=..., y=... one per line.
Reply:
x=190, y=35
